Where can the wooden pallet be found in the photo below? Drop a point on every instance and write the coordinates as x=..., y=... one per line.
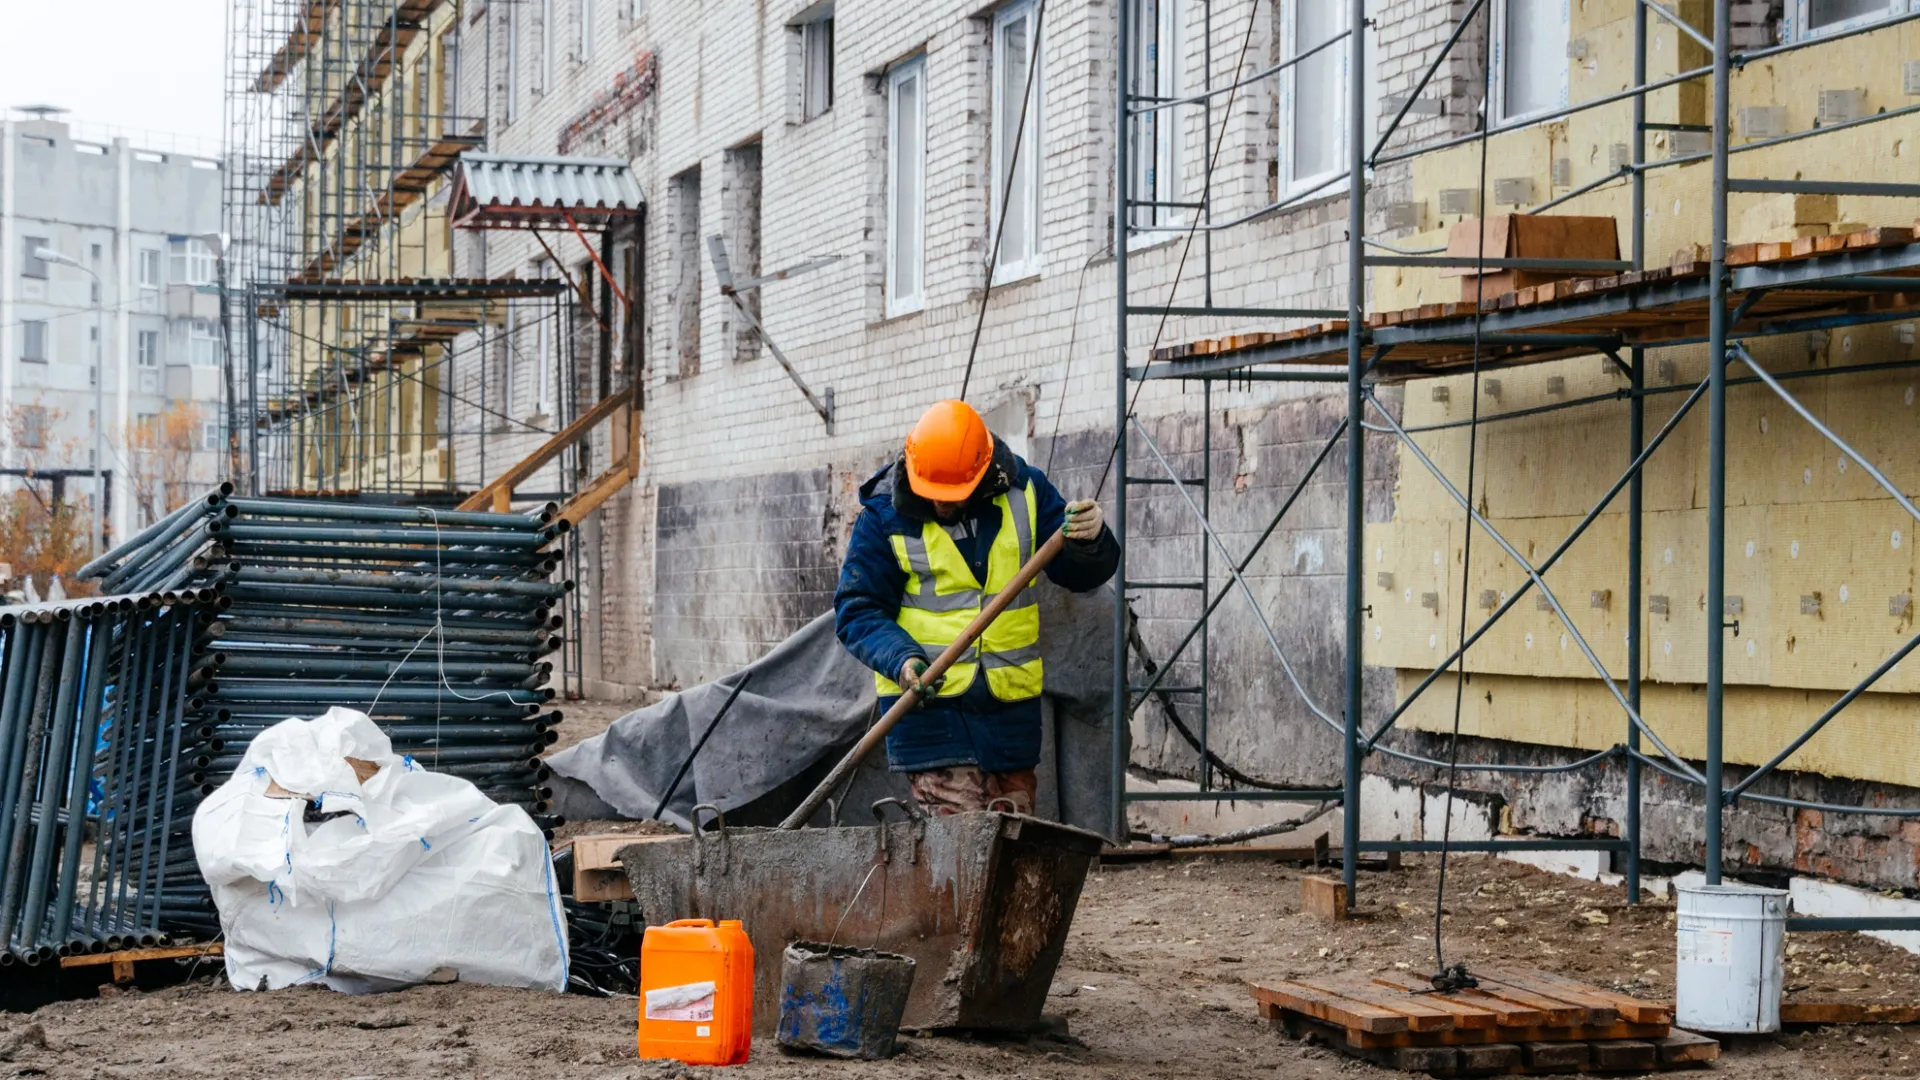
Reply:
x=1675, y=1050
x=124, y=959
x=1517, y=1021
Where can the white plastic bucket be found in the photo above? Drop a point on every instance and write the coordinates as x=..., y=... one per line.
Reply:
x=1730, y=958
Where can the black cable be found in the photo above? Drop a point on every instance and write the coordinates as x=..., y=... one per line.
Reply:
x=1013, y=164
x=1458, y=977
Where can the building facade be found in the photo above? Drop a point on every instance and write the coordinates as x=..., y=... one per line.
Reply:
x=927, y=193
x=141, y=311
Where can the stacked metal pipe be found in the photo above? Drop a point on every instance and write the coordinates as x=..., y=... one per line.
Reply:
x=91, y=718
x=433, y=622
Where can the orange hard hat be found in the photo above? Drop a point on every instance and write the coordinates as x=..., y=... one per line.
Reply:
x=948, y=452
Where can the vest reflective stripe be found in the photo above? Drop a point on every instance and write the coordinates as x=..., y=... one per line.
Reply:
x=942, y=597
x=921, y=593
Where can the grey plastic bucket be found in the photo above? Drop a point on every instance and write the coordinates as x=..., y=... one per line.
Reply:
x=1729, y=958
x=842, y=1001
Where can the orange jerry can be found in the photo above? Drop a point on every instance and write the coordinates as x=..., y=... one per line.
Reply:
x=696, y=992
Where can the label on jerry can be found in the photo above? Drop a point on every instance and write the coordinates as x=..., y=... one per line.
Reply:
x=688, y=1001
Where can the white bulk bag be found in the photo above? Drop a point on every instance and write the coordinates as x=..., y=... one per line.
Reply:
x=421, y=876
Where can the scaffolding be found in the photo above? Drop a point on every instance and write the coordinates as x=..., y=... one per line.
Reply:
x=376, y=361
x=1620, y=310
x=365, y=345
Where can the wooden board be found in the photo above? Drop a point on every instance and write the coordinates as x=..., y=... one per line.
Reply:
x=1846, y=1012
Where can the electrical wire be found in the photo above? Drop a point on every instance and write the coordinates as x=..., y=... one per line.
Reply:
x=1034, y=59
x=1458, y=977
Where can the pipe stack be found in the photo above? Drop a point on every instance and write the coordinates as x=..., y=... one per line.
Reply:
x=433, y=622
x=91, y=787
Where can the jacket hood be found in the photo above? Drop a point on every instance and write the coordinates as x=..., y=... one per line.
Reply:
x=888, y=488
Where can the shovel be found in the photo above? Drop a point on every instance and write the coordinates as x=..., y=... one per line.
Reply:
x=911, y=699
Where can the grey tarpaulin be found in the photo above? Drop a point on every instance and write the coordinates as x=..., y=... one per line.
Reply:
x=807, y=703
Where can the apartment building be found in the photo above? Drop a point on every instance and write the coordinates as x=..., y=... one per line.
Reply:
x=134, y=299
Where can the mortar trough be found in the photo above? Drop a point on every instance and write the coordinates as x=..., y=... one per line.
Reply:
x=981, y=902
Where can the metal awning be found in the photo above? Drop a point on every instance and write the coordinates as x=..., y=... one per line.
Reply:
x=500, y=191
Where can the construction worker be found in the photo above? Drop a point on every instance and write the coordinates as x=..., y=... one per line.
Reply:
x=941, y=531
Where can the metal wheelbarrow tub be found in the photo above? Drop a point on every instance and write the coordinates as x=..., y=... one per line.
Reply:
x=981, y=902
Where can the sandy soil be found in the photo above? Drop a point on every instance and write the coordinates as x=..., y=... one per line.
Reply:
x=1153, y=985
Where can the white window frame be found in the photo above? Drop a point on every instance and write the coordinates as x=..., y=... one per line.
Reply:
x=146, y=348
x=149, y=268
x=211, y=437
x=203, y=343
x=1557, y=49
x=899, y=300
x=588, y=32
x=1157, y=149
x=1005, y=120
x=1799, y=20
x=191, y=262
x=816, y=52
x=31, y=265
x=30, y=329
x=1321, y=181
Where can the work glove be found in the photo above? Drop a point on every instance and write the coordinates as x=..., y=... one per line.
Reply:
x=911, y=681
x=1084, y=520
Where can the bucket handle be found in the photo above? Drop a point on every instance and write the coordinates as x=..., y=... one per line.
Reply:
x=726, y=844
x=914, y=815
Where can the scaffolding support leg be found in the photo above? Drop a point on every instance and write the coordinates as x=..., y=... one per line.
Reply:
x=1356, y=444
x=1636, y=441
x=1717, y=448
x=1122, y=211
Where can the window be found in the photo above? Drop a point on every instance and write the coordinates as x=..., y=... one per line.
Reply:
x=33, y=341
x=423, y=93
x=203, y=344
x=740, y=218
x=512, y=102
x=94, y=253
x=1155, y=147
x=1016, y=142
x=1530, y=58
x=549, y=36
x=1314, y=152
x=191, y=262
x=147, y=348
x=588, y=12
x=816, y=65
x=32, y=265
x=1824, y=16
x=33, y=427
x=687, y=247
x=213, y=435
x=906, y=186
x=449, y=76
x=149, y=268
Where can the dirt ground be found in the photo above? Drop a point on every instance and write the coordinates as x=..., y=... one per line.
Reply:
x=1153, y=985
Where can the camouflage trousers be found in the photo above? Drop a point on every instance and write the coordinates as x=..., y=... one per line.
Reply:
x=959, y=789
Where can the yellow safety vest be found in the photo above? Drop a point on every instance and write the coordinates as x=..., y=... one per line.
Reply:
x=942, y=597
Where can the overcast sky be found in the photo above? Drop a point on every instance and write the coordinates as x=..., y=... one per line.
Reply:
x=153, y=65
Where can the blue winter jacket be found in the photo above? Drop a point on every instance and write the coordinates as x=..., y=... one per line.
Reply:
x=974, y=728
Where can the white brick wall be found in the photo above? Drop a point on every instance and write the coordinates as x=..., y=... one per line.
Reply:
x=726, y=78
